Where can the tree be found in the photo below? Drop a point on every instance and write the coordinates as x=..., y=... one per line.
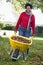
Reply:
x=19, y=4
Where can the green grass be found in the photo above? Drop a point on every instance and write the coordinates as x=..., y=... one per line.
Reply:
x=35, y=54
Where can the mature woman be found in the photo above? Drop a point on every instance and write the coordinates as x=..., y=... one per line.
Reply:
x=25, y=24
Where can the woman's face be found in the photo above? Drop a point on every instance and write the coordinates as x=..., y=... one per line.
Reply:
x=28, y=8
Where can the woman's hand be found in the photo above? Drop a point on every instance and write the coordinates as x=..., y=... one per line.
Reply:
x=15, y=31
x=33, y=35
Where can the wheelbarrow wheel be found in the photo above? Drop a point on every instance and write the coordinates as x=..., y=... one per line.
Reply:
x=15, y=55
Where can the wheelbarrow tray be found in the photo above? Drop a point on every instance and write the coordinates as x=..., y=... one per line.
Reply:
x=20, y=45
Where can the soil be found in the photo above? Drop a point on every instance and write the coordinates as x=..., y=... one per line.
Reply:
x=21, y=39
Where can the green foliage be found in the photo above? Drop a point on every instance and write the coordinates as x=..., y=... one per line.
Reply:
x=8, y=27
x=1, y=25
x=39, y=30
x=19, y=4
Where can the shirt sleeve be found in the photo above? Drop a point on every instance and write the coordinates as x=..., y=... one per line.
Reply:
x=18, y=22
x=33, y=25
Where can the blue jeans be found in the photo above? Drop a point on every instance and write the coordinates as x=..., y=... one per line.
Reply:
x=24, y=32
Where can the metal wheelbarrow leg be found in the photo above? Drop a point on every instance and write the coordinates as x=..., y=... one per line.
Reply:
x=25, y=55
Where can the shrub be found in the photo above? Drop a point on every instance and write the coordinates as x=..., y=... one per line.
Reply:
x=8, y=27
x=39, y=30
x=1, y=25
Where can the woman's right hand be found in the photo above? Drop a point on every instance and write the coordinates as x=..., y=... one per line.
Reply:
x=15, y=31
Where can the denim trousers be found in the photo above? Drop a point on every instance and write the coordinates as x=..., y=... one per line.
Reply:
x=24, y=32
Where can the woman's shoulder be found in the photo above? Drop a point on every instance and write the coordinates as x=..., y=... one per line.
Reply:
x=33, y=16
x=22, y=13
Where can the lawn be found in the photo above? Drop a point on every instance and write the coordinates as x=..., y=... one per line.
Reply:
x=35, y=53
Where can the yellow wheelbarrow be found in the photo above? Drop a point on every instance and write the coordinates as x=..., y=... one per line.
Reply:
x=19, y=44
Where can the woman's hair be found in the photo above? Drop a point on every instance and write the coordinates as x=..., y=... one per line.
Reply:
x=28, y=4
